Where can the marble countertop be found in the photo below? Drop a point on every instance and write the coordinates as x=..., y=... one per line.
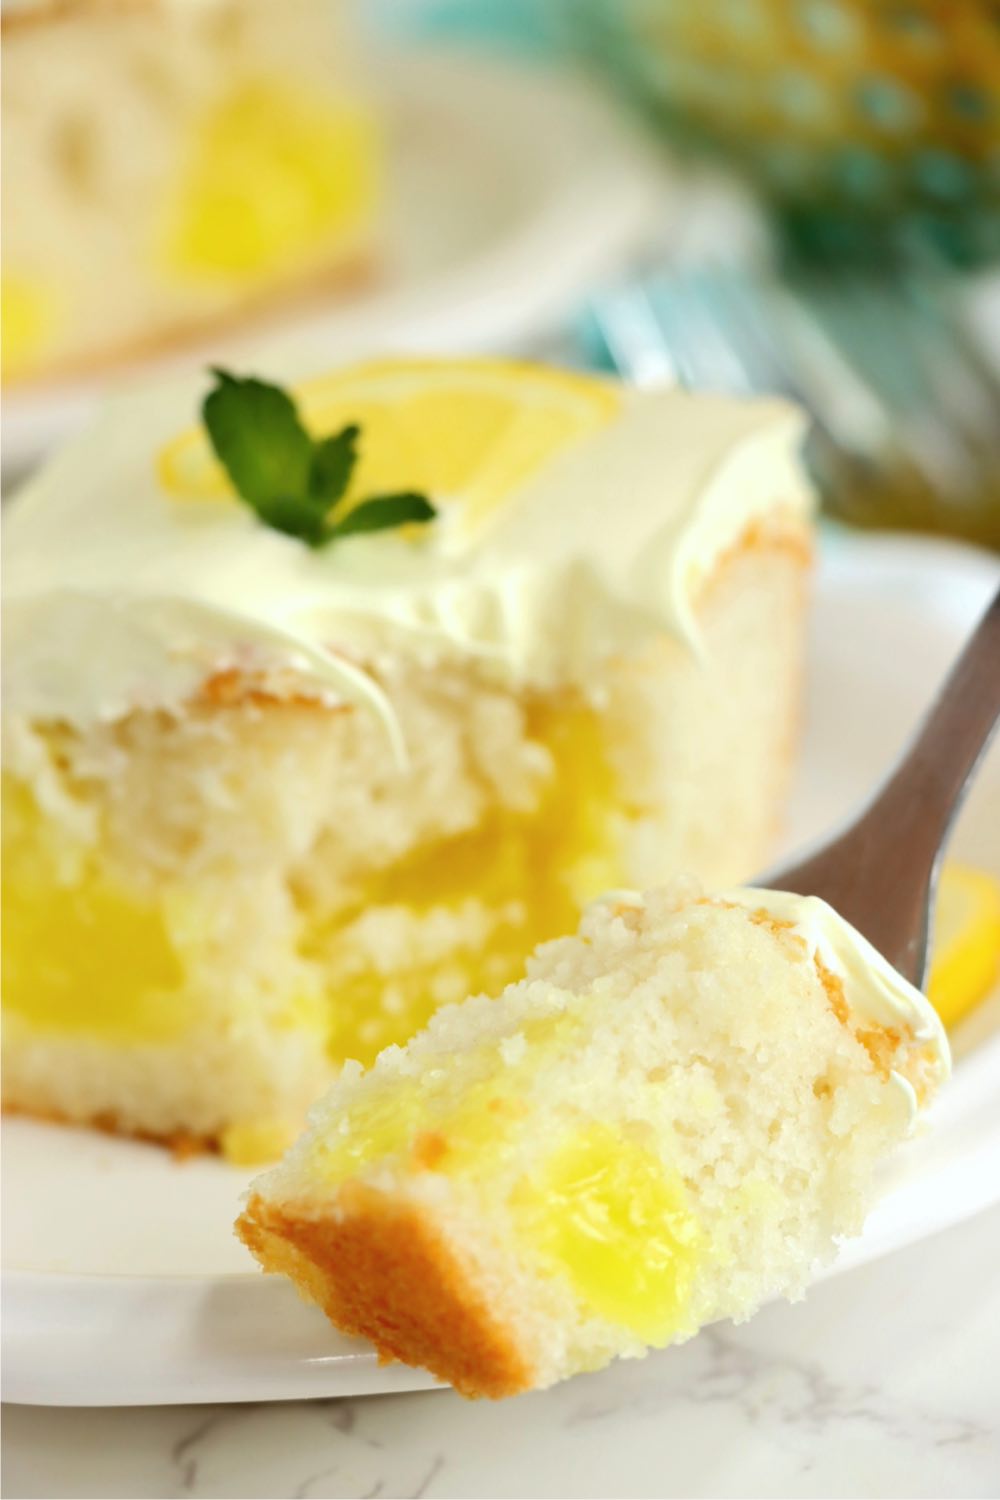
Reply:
x=883, y=1382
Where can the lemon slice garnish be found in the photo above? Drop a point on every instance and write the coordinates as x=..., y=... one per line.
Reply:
x=467, y=433
x=966, y=952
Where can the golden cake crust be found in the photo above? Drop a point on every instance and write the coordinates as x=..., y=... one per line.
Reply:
x=182, y=1144
x=380, y=1270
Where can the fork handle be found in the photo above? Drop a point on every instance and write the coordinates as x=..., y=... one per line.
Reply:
x=879, y=873
x=923, y=795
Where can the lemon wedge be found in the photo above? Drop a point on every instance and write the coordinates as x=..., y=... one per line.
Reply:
x=966, y=952
x=467, y=433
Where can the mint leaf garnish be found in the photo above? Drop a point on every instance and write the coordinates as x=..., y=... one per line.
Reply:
x=382, y=511
x=332, y=463
x=256, y=433
x=292, y=480
x=298, y=518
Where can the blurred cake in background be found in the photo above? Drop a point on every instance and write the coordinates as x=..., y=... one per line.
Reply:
x=268, y=805
x=171, y=165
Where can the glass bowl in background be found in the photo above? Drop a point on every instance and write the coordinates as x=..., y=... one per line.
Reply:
x=866, y=123
x=870, y=131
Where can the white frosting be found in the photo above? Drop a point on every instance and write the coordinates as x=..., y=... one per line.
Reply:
x=874, y=990
x=119, y=594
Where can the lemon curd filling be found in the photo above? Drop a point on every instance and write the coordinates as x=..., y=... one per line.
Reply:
x=81, y=953
x=532, y=874
x=272, y=169
x=606, y=1214
x=602, y=1211
x=28, y=317
x=84, y=954
x=440, y=1122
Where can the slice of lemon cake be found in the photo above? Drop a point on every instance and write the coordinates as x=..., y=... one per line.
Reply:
x=277, y=788
x=673, y=1118
x=171, y=165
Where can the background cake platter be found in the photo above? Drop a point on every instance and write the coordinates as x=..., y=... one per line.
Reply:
x=123, y=1282
x=509, y=193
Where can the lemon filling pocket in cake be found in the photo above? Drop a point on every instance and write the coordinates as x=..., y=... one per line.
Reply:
x=81, y=952
x=271, y=169
x=465, y=912
x=29, y=308
x=598, y=1210
x=604, y=1213
x=89, y=959
x=86, y=950
x=458, y=1127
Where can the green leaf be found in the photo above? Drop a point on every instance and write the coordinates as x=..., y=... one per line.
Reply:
x=258, y=438
x=291, y=481
x=333, y=461
x=382, y=512
x=295, y=517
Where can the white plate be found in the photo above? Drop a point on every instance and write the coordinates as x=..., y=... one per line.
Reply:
x=511, y=190
x=124, y=1283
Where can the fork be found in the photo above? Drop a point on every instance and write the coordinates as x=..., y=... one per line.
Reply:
x=881, y=872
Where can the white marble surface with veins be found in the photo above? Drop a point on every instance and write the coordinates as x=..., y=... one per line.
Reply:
x=885, y=1381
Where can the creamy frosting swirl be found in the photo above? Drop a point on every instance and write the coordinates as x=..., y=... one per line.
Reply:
x=118, y=595
x=875, y=991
